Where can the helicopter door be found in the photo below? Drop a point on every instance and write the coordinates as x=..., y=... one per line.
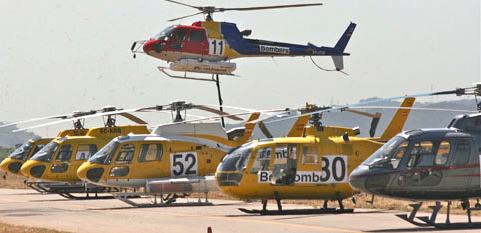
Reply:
x=61, y=162
x=196, y=42
x=178, y=41
x=425, y=164
x=123, y=161
x=284, y=167
x=458, y=177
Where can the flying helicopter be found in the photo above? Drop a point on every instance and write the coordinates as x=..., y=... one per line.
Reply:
x=174, y=160
x=435, y=164
x=209, y=46
x=313, y=165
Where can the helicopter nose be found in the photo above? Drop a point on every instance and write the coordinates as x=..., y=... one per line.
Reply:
x=7, y=166
x=357, y=179
x=90, y=173
x=153, y=45
x=11, y=165
x=33, y=169
x=367, y=180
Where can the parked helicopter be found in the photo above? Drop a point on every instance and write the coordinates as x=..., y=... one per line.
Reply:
x=428, y=164
x=59, y=159
x=15, y=160
x=175, y=159
x=208, y=46
x=314, y=165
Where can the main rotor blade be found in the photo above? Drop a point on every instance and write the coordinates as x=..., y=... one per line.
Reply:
x=268, y=7
x=366, y=102
x=170, y=20
x=133, y=118
x=77, y=118
x=218, y=112
x=183, y=4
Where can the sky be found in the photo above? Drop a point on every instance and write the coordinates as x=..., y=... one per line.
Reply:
x=58, y=56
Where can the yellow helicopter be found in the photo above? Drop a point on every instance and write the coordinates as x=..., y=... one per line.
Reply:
x=314, y=165
x=174, y=159
x=59, y=159
x=15, y=160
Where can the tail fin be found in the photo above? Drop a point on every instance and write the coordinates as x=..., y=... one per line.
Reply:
x=398, y=120
x=298, y=127
x=341, y=45
x=249, y=127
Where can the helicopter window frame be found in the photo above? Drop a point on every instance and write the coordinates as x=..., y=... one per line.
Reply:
x=442, y=158
x=180, y=35
x=165, y=35
x=46, y=153
x=284, y=164
x=85, y=151
x=196, y=35
x=65, y=153
x=21, y=153
x=262, y=160
x=463, y=147
x=145, y=152
x=310, y=155
x=125, y=155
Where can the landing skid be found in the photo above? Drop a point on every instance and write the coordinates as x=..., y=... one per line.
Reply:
x=298, y=211
x=169, y=200
x=431, y=221
x=67, y=190
x=212, y=79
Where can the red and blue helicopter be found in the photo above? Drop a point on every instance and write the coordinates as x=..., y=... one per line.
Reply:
x=209, y=46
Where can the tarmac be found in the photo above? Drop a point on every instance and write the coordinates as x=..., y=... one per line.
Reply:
x=30, y=208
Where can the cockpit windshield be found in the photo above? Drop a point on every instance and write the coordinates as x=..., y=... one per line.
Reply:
x=104, y=155
x=165, y=34
x=237, y=159
x=46, y=153
x=21, y=153
x=388, y=155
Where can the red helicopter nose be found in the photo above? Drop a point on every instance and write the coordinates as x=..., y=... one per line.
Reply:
x=153, y=45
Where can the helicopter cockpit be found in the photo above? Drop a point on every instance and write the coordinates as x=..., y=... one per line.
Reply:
x=417, y=158
x=104, y=155
x=228, y=171
x=164, y=35
x=21, y=153
x=46, y=153
x=418, y=152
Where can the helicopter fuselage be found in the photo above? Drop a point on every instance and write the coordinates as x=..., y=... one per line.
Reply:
x=312, y=167
x=188, y=150
x=425, y=164
x=60, y=159
x=210, y=44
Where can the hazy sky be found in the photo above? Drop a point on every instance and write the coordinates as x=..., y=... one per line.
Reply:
x=57, y=56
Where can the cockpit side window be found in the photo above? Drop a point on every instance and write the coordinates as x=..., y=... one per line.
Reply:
x=126, y=154
x=150, y=152
x=443, y=152
x=64, y=154
x=196, y=36
x=429, y=153
x=180, y=35
x=309, y=155
x=85, y=151
x=463, y=150
x=263, y=157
